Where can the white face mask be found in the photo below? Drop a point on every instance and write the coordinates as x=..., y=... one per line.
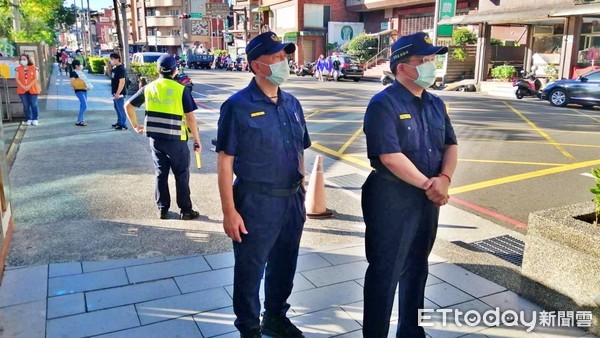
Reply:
x=23, y=62
x=280, y=72
x=112, y=62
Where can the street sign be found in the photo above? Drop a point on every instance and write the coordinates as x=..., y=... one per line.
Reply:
x=196, y=15
x=447, y=10
x=214, y=9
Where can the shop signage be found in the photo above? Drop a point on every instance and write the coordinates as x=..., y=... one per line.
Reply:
x=447, y=10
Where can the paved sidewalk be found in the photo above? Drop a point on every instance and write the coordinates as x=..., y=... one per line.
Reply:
x=90, y=258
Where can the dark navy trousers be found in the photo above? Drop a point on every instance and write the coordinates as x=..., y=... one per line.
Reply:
x=171, y=155
x=401, y=224
x=274, y=227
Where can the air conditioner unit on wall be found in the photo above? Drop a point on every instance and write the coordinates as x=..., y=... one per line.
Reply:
x=543, y=30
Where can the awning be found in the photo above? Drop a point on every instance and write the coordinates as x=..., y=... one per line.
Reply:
x=261, y=9
x=505, y=17
x=385, y=32
x=312, y=33
x=290, y=37
x=577, y=10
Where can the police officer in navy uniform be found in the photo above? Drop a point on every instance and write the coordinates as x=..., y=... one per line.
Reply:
x=261, y=139
x=412, y=147
x=169, y=121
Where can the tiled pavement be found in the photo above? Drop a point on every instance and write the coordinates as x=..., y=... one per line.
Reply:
x=191, y=297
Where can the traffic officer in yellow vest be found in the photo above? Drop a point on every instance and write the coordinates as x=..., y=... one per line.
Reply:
x=169, y=121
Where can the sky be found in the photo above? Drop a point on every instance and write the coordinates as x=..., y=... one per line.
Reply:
x=94, y=4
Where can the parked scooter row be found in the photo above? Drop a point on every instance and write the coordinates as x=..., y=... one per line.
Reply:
x=306, y=69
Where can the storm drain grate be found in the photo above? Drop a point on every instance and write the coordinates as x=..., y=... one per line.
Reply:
x=505, y=247
x=351, y=182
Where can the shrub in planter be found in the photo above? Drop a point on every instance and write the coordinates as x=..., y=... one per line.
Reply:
x=97, y=64
x=459, y=54
x=596, y=191
x=462, y=37
x=551, y=72
x=503, y=72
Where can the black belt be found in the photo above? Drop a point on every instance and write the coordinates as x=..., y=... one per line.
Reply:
x=268, y=189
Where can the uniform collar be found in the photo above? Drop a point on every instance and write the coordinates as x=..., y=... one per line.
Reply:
x=407, y=96
x=258, y=95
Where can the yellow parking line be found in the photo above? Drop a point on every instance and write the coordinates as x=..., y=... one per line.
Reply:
x=350, y=140
x=586, y=115
x=525, y=176
x=341, y=156
x=529, y=142
x=510, y=162
x=541, y=132
x=331, y=91
x=331, y=134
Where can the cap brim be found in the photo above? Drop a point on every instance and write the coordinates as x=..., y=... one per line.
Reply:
x=289, y=48
x=434, y=50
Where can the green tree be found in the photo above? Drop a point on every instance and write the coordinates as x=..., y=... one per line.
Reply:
x=39, y=20
x=462, y=37
x=362, y=47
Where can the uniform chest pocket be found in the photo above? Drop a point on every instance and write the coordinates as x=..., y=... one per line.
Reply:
x=408, y=134
x=438, y=134
x=261, y=131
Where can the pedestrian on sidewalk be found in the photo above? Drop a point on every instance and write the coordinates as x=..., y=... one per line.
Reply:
x=28, y=88
x=261, y=139
x=117, y=85
x=81, y=85
x=412, y=147
x=169, y=120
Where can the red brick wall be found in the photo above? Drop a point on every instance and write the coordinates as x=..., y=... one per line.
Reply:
x=338, y=11
x=373, y=21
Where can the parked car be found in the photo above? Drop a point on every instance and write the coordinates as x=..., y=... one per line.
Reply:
x=145, y=57
x=585, y=90
x=350, y=68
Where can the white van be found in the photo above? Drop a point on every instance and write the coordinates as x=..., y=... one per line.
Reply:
x=146, y=57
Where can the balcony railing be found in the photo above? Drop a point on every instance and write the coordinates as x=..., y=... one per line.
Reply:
x=163, y=3
x=164, y=40
x=163, y=21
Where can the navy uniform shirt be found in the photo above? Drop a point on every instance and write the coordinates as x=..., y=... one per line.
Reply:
x=267, y=139
x=396, y=121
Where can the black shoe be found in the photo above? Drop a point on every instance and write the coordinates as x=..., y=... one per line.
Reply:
x=279, y=327
x=121, y=128
x=251, y=334
x=188, y=215
x=114, y=125
x=163, y=214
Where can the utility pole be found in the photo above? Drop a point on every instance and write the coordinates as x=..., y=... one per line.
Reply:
x=83, y=35
x=245, y=27
x=436, y=18
x=89, y=24
x=118, y=26
x=125, y=34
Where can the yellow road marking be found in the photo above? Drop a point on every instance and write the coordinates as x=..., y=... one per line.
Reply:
x=586, y=115
x=530, y=142
x=541, y=132
x=510, y=162
x=520, y=177
x=331, y=91
x=512, y=128
x=350, y=140
x=341, y=156
x=331, y=134
x=348, y=110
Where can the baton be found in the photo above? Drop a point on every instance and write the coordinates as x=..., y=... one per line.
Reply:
x=198, y=160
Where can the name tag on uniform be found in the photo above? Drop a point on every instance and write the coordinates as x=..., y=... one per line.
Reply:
x=405, y=116
x=258, y=113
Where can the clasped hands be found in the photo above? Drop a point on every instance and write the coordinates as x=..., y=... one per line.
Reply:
x=436, y=189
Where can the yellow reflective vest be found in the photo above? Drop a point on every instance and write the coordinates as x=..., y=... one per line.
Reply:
x=165, y=117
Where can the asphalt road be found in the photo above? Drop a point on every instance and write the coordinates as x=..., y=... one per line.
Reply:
x=515, y=156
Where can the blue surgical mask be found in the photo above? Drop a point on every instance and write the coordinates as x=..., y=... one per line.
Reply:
x=280, y=72
x=426, y=72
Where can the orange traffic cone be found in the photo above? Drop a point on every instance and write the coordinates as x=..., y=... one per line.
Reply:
x=315, y=194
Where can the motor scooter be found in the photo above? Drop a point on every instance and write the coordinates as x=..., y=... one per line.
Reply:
x=306, y=69
x=387, y=78
x=528, y=84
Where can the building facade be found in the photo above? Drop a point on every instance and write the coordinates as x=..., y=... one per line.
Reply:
x=303, y=22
